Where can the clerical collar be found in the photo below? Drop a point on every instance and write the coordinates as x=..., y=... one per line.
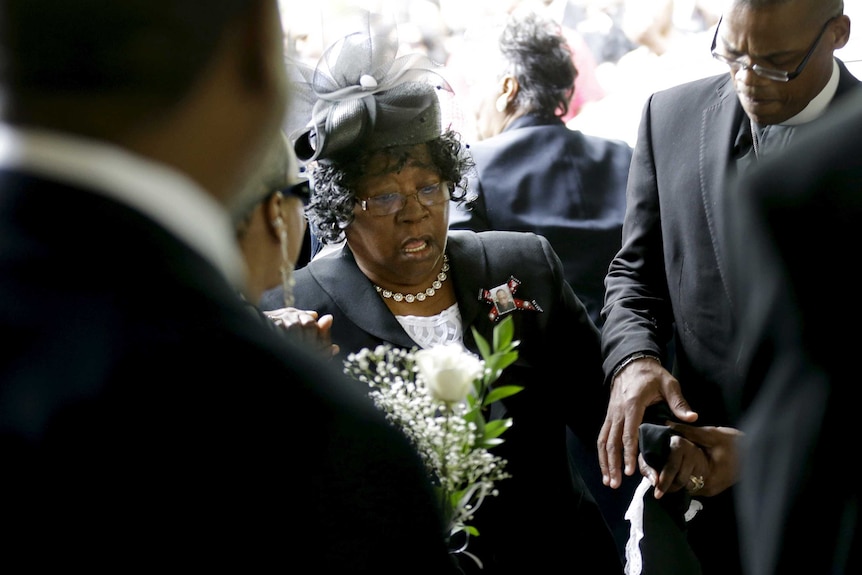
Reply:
x=819, y=103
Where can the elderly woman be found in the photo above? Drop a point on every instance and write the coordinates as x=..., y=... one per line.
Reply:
x=383, y=175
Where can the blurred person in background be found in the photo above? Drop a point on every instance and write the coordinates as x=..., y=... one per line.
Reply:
x=461, y=65
x=145, y=415
x=533, y=173
x=793, y=223
x=270, y=223
x=271, y=230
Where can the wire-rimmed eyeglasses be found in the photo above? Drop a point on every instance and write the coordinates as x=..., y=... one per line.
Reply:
x=386, y=204
x=763, y=72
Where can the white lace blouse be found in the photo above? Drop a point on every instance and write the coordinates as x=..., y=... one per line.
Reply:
x=442, y=328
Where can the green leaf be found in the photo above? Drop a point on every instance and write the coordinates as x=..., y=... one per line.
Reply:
x=503, y=333
x=502, y=361
x=480, y=426
x=491, y=442
x=474, y=416
x=502, y=392
x=496, y=427
x=455, y=497
x=472, y=402
x=481, y=343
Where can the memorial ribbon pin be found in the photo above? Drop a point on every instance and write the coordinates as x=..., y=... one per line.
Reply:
x=502, y=299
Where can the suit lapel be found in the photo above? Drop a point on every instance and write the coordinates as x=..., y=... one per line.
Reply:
x=718, y=131
x=354, y=295
x=470, y=274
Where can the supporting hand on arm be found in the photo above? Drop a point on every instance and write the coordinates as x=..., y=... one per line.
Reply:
x=641, y=383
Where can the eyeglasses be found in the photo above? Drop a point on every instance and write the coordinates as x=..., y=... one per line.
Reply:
x=387, y=204
x=770, y=73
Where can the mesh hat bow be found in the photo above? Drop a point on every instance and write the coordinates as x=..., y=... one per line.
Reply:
x=361, y=94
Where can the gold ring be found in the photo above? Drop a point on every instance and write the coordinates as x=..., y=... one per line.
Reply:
x=696, y=483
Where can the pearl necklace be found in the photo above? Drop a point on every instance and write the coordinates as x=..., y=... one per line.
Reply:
x=410, y=298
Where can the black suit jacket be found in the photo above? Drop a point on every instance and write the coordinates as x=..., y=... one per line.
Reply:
x=539, y=176
x=793, y=235
x=544, y=518
x=147, y=418
x=669, y=282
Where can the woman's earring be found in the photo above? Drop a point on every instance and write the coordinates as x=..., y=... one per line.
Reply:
x=287, y=267
x=502, y=103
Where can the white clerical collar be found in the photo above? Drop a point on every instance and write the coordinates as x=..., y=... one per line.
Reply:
x=157, y=190
x=819, y=103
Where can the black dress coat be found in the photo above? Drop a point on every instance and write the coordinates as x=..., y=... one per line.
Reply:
x=148, y=419
x=544, y=518
x=794, y=235
x=669, y=282
x=540, y=176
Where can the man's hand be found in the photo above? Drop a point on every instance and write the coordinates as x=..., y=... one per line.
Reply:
x=638, y=385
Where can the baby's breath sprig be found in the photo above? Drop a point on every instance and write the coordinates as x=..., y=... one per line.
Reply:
x=437, y=398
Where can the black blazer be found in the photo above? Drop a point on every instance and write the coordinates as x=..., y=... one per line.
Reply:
x=794, y=234
x=147, y=418
x=540, y=176
x=544, y=518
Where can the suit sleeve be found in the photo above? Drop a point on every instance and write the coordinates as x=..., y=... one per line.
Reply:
x=637, y=314
x=570, y=333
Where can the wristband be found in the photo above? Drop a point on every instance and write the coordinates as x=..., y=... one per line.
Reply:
x=633, y=357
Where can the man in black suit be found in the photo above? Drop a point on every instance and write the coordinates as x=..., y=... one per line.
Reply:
x=667, y=288
x=146, y=418
x=794, y=226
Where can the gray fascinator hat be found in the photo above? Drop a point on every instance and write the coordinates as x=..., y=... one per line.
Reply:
x=361, y=95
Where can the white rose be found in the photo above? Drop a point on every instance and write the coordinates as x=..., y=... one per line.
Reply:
x=448, y=371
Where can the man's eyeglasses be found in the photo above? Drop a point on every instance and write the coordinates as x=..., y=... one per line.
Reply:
x=770, y=73
x=386, y=204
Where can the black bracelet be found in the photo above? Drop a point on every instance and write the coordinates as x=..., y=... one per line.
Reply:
x=633, y=357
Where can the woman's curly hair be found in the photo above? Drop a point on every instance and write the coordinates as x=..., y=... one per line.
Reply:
x=537, y=54
x=334, y=181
